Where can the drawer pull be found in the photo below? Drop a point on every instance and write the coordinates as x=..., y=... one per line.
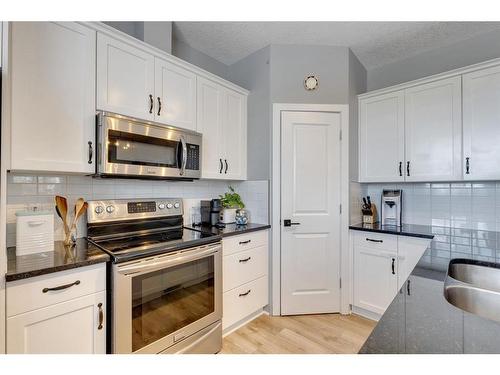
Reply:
x=372, y=240
x=101, y=316
x=66, y=286
x=392, y=266
x=245, y=294
x=245, y=260
x=245, y=242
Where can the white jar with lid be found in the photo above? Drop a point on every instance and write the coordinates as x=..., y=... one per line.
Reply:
x=34, y=232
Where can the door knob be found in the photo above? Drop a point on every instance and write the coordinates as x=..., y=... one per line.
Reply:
x=288, y=223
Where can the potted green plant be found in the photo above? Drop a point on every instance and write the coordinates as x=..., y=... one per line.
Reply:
x=231, y=202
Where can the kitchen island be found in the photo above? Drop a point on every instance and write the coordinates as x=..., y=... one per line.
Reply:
x=420, y=320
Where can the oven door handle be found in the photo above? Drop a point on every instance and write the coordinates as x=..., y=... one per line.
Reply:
x=184, y=155
x=144, y=267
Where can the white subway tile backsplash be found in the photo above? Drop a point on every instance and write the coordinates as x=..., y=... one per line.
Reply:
x=24, y=191
x=458, y=204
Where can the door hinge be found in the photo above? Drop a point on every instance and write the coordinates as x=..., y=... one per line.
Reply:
x=340, y=135
x=341, y=209
x=340, y=283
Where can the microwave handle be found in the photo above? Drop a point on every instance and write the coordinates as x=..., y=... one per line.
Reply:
x=184, y=155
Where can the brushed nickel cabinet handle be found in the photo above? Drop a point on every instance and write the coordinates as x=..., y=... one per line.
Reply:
x=61, y=287
x=101, y=316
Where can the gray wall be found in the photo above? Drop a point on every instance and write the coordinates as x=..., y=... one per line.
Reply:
x=290, y=64
x=357, y=85
x=198, y=58
x=253, y=73
x=477, y=49
x=158, y=34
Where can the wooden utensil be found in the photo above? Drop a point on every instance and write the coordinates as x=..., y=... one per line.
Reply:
x=62, y=211
x=80, y=208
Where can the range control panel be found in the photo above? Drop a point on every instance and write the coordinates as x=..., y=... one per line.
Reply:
x=123, y=209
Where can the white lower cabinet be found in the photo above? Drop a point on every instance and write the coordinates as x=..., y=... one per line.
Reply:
x=382, y=263
x=71, y=320
x=245, y=277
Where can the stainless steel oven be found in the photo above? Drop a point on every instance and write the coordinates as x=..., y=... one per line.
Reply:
x=169, y=303
x=134, y=148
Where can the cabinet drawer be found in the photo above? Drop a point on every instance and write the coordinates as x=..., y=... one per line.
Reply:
x=242, y=242
x=388, y=242
x=244, y=266
x=27, y=295
x=244, y=300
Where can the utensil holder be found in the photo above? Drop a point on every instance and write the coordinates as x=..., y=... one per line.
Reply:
x=370, y=215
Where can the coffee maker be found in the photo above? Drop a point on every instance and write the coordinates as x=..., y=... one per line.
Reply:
x=391, y=206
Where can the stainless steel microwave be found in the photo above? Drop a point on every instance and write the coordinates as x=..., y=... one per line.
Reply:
x=129, y=147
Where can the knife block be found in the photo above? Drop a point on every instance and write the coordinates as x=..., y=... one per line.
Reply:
x=370, y=215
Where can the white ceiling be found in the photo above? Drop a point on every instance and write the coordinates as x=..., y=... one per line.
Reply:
x=375, y=43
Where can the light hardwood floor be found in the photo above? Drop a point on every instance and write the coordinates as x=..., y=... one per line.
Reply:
x=301, y=334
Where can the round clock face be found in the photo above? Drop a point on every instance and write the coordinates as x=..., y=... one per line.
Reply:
x=311, y=83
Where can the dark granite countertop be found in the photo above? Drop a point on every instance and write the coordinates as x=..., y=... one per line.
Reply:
x=409, y=230
x=231, y=229
x=420, y=320
x=62, y=258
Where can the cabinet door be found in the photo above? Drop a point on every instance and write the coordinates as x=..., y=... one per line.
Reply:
x=381, y=138
x=125, y=79
x=209, y=108
x=481, y=106
x=410, y=250
x=375, y=279
x=175, y=95
x=433, y=131
x=71, y=327
x=53, y=97
x=234, y=135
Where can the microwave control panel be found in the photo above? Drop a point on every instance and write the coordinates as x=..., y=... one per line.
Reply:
x=193, y=157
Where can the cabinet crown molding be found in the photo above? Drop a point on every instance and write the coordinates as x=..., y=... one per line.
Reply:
x=125, y=38
x=431, y=78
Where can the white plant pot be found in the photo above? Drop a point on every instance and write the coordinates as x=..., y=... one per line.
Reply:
x=228, y=215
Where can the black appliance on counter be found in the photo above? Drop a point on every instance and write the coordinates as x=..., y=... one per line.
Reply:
x=215, y=209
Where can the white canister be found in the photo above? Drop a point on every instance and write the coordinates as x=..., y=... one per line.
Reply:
x=34, y=232
x=228, y=215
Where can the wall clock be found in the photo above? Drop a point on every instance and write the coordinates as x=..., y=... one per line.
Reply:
x=311, y=83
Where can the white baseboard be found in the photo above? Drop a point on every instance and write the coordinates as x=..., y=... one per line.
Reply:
x=365, y=313
x=243, y=321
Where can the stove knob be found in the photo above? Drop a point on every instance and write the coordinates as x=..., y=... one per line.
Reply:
x=169, y=205
x=177, y=205
x=99, y=210
x=110, y=209
x=161, y=206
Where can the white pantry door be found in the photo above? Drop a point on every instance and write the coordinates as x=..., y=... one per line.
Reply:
x=310, y=199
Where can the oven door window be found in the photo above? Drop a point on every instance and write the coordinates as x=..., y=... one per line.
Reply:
x=135, y=149
x=168, y=300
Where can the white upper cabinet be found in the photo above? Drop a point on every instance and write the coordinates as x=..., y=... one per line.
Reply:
x=234, y=135
x=175, y=95
x=433, y=131
x=481, y=124
x=222, y=120
x=210, y=96
x=125, y=79
x=381, y=138
x=52, y=76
